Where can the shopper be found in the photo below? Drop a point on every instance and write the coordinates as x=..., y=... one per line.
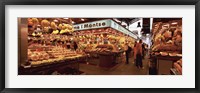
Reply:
x=143, y=50
x=75, y=46
x=138, y=55
x=134, y=51
x=128, y=50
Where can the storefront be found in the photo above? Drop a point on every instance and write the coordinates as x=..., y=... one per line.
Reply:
x=103, y=39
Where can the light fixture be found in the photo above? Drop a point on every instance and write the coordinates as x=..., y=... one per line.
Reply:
x=73, y=22
x=65, y=18
x=55, y=20
x=82, y=19
x=166, y=25
x=174, y=23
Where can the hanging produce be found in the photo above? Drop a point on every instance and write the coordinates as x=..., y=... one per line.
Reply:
x=54, y=27
x=45, y=25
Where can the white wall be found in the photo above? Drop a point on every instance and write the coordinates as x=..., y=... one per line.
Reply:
x=133, y=26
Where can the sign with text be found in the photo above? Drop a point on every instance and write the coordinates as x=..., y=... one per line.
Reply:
x=92, y=25
x=103, y=24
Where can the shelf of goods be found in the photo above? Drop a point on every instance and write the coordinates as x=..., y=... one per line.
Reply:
x=63, y=66
x=47, y=51
x=45, y=58
x=167, y=45
x=107, y=54
x=104, y=43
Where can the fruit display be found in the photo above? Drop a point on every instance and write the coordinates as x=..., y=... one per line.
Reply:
x=48, y=25
x=58, y=51
x=36, y=56
x=54, y=27
x=106, y=49
x=55, y=60
x=66, y=28
x=39, y=54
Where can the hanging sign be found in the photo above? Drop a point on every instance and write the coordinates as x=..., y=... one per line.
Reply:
x=92, y=25
x=103, y=24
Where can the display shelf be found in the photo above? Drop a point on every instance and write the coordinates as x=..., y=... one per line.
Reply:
x=163, y=64
x=46, y=69
x=172, y=58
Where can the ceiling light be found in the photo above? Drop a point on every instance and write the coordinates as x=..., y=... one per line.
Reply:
x=65, y=18
x=55, y=20
x=174, y=23
x=82, y=19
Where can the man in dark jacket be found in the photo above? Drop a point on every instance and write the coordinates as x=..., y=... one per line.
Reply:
x=128, y=50
x=143, y=50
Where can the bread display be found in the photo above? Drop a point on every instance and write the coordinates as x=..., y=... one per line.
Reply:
x=167, y=37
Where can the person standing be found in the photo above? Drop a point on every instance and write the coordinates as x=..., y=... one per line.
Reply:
x=143, y=50
x=138, y=55
x=75, y=46
x=127, y=50
x=134, y=51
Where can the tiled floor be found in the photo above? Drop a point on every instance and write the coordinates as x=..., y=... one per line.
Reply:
x=119, y=69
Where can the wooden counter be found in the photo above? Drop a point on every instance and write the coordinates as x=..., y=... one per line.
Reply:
x=65, y=67
x=164, y=63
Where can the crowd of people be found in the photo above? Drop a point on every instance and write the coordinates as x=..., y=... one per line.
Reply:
x=139, y=51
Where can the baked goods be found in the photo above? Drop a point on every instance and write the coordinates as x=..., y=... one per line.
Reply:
x=168, y=37
x=164, y=53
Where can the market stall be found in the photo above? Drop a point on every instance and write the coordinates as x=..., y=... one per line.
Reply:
x=167, y=45
x=103, y=39
x=47, y=48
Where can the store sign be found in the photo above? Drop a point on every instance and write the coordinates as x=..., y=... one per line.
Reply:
x=122, y=29
x=103, y=24
x=92, y=25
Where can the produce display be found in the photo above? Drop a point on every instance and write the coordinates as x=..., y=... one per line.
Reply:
x=49, y=44
x=38, y=54
x=102, y=36
x=167, y=38
x=48, y=26
x=102, y=49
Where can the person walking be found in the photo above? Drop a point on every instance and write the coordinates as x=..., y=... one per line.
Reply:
x=138, y=55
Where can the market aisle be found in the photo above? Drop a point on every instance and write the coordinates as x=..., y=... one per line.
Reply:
x=119, y=69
